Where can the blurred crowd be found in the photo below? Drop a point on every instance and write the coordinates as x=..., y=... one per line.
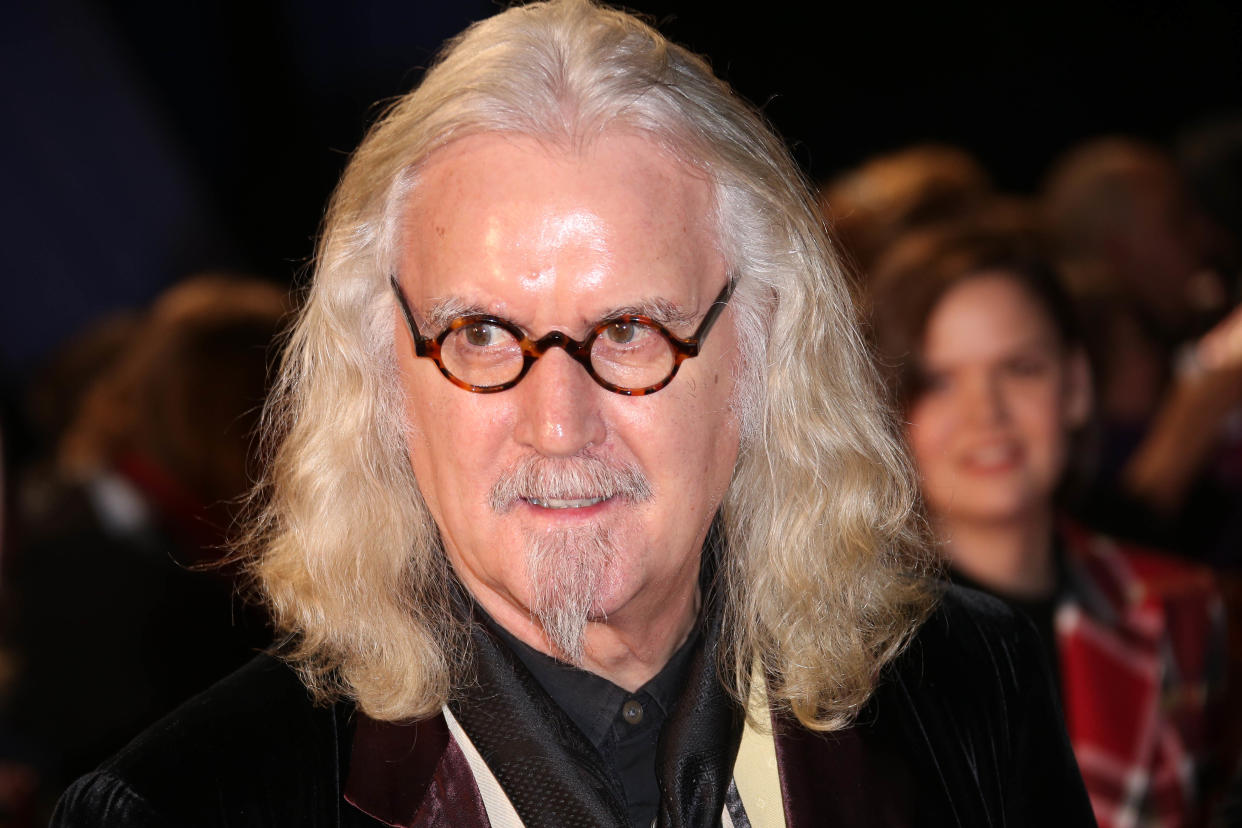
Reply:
x=1148, y=246
x=118, y=598
x=1067, y=366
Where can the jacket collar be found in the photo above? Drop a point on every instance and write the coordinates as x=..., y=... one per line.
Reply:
x=412, y=774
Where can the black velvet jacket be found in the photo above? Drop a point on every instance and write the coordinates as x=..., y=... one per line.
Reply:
x=963, y=730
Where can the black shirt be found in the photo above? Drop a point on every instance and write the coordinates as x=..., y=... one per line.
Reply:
x=624, y=727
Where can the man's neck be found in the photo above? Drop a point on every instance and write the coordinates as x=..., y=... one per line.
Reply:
x=630, y=660
x=1013, y=558
x=628, y=648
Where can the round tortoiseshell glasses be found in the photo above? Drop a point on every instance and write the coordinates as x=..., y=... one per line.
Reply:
x=628, y=354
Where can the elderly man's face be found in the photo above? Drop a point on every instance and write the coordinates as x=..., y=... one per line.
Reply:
x=557, y=498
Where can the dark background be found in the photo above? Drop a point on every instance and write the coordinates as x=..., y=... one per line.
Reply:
x=146, y=140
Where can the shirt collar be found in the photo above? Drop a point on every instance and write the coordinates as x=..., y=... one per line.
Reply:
x=592, y=701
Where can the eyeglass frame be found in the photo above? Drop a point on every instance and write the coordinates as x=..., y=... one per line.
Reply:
x=579, y=351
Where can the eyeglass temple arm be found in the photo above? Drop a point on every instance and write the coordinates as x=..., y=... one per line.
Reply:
x=713, y=313
x=420, y=342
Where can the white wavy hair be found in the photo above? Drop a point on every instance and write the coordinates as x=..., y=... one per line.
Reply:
x=823, y=577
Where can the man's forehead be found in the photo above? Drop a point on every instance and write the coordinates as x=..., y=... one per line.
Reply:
x=504, y=164
x=508, y=226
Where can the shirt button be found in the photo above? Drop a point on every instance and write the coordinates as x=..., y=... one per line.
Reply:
x=632, y=712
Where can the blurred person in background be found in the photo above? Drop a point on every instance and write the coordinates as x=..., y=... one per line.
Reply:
x=102, y=599
x=53, y=401
x=1137, y=254
x=871, y=206
x=985, y=356
x=1209, y=156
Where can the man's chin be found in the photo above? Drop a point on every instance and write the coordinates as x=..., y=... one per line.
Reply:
x=568, y=570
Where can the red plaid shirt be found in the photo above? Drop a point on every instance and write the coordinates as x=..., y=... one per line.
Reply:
x=1141, y=643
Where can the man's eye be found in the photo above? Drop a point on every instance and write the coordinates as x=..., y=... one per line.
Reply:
x=622, y=333
x=481, y=334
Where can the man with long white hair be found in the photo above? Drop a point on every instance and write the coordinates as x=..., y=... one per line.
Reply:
x=584, y=508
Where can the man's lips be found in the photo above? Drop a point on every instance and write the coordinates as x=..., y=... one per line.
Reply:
x=570, y=503
x=579, y=485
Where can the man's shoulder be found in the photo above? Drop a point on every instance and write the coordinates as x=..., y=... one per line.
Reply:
x=966, y=620
x=262, y=707
x=963, y=727
x=973, y=649
x=254, y=744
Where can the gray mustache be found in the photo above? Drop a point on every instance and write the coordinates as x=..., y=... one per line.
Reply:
x=584, y=476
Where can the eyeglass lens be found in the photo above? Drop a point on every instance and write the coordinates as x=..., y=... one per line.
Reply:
x=627, y=354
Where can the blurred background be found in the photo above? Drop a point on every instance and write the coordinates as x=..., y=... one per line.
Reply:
x=166, y=166
x=149, y=140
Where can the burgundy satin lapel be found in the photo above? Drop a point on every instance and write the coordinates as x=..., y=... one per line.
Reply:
x=841, y=779
x=453, y=800
x=412, y=776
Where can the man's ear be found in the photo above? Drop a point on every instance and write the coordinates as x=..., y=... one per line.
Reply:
x=1079, y=392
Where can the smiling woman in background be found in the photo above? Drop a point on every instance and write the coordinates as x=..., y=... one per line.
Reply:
x=984, y=354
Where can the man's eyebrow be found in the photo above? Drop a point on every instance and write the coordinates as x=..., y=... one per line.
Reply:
x=444, y=310
x=661, y=311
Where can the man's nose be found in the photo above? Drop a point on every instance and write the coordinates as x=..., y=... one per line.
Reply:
x=559, y=406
